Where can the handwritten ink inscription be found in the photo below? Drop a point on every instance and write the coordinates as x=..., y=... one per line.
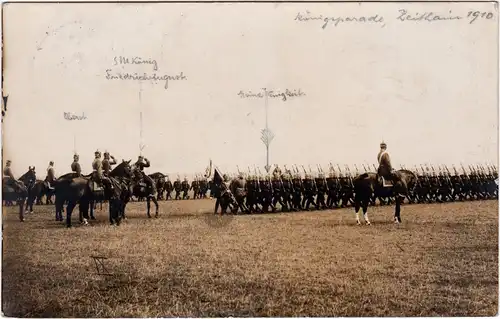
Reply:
x=110, y=75
x=307, y=16
x=121, y=60
x=71, y=117
x=283, y=95
x=472, y=16
x=402, y=15
x=141, y=76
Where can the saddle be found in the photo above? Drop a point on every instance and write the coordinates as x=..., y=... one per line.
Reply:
x=96, y=187
x=48, y=184
x=384, y=182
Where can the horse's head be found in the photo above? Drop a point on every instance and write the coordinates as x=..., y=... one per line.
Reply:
x=29, y=177
x=124, y=169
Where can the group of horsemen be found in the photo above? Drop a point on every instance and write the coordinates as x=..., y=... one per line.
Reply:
x=100, y=175
x=288, y=188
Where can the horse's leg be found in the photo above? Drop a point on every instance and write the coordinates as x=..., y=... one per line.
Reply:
x=366, y=202
x=21, y=209
x=84, y=211
x=217, y=203
x=31, y=203
x=59, y=208
x=117, y=210
x=156, y=206
x=397, y=213
x=111, y=211
x=92, y=206
x=148, y=203
x=27, y=202
x=69, y=209
x=357, y=206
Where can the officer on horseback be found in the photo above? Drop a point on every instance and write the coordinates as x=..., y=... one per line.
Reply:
x=97, y=174
x=75, y=166
x=385, y=168
x=107, y=163
x=140, y=165
x=11, y=180
x=51, y=176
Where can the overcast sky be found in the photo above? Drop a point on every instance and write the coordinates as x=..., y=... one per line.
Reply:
x=428, y=89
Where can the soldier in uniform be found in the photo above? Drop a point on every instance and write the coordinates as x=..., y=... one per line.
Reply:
x=185, y=188
x=286, y=191
x=140, y=165
x=10, y=179
x=51, y=175
x=385, y=168
x=240, y=192
x=75, y=166
x=297, y=192
x=277, y=170
x=97, y=174
x=107, y=163
x=177, y=188
x=195, y=186
x=322, y=189
x=266, y=194
x=277, y=188
x=310, y=191
x=252, y=193
x=168, y=188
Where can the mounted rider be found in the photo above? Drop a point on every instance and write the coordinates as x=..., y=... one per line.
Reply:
x=51, y=175
x=385, y=170
x=9, y=178
x=75, y=166
x=107, y=163
x=139, y=166
x=97, y=173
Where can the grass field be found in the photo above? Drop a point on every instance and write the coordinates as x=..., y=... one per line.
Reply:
x=442, y=260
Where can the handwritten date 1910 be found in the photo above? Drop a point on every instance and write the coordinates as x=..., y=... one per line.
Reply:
x=474, y=15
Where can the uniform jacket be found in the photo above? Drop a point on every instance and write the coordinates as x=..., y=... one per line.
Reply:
x=50, y=174
x=97, y=166
x=106, y=164
x=76, y=168
x=7, y=172
x=384, y=162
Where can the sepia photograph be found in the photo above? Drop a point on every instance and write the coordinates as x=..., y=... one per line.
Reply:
x=237, y=159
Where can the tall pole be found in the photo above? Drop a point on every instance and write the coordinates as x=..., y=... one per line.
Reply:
x=267, y=135
x=266, y=107
x=141, y=142
x=266, y=104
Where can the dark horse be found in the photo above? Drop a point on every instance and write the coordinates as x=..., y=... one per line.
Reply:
x=12, y=191
x=160, y=180
x=29, y=180
x=72, y=189
x=139, y=189
x=368, y=184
